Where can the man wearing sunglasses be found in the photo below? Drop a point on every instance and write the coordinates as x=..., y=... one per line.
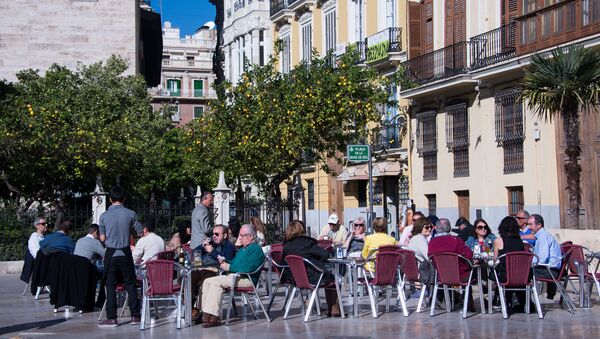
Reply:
x=212, y=248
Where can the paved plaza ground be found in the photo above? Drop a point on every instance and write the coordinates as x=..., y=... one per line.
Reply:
x=23, y=317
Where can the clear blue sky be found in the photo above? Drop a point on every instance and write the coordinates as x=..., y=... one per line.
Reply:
x=188, y=15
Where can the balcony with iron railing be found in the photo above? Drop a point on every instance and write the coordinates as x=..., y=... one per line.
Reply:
x=439, y=64
x=277, y=6
x=493, y=46
x=387, y=136
x=382, y=43
x=239, y=4
x=361, y=49
x=200, y=94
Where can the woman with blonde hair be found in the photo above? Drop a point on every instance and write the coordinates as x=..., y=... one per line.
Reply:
x=297, y=243
x=261, y=230
x=377, y=239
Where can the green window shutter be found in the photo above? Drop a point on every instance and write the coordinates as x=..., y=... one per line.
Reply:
x=198, y=112
x=174, y=86
x=198, y=88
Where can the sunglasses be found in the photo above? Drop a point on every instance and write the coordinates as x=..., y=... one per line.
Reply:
x=428, y=227
x=358, y=225
x=216, y=234
x=42, y=223
x=481, y=227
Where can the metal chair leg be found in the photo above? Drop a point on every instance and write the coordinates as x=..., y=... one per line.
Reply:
x=433, y=299
x=502, y=295
x=421, y=298
x=25, y=289
x=372, y=299
x=262, y=306
x=536, y=298
x=310, y=304
x=466, y=300
x=289, y=303
x=37, y=293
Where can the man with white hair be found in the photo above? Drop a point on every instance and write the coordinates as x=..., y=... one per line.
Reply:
x=248, y=259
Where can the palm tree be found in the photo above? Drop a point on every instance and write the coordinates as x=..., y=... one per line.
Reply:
x=564, y=83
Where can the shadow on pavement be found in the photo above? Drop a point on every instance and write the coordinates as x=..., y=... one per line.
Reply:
x=29, y=326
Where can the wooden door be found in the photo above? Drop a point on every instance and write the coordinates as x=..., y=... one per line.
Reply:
x=463, y=204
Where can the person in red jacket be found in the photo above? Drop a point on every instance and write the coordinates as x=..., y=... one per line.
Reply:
x=444, y=242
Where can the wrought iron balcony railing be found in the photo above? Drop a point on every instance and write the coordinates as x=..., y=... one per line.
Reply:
x=439, y=64
x=380, y=44
x=493, y=46
x=277, y=6
x=359, y=46
x=388, y=136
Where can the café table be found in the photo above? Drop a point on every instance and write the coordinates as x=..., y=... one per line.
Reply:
x=353, y=265
x=187, y=285
x=483, y=261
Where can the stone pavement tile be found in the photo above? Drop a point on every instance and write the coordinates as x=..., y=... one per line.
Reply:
x=21, y=316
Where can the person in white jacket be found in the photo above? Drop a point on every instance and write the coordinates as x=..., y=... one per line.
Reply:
x=148, y=246
x=34, y=240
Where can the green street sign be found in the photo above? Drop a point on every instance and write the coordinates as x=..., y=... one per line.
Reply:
x=357, y=153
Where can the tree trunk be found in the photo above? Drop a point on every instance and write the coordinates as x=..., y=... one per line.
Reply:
x=572, y=168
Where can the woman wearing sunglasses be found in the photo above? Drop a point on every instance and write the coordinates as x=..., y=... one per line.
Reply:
x=356, y=241
x=481, y=236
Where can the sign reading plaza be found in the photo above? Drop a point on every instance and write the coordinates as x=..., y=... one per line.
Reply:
x=357, y=153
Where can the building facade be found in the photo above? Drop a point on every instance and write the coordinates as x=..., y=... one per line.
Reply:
x=68, y=32
x=187, y=78
x=377, y=30
x=478, y=151
x=246, y=36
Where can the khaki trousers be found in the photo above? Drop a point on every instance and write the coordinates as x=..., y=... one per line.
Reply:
x=212, y=290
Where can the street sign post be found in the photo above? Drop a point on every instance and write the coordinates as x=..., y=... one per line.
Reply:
x=362, y=153
x=358, y=153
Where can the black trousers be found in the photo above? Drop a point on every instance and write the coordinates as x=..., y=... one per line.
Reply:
x=542, y=272
x=121, y=267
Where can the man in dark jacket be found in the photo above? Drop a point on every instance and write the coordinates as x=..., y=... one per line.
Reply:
x=59, y=241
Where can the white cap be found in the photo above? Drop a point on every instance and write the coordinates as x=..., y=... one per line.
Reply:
x=333, y=219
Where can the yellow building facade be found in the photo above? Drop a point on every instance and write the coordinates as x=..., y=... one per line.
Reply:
x=477, y=151
x=377, y=28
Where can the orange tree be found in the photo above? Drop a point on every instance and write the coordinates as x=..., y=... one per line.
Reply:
x=269, y=124
x=61, y=129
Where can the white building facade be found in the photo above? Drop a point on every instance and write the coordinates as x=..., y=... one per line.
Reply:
x=246, y=36
x=187, y=77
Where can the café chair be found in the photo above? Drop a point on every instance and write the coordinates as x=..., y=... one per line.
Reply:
x=409, y=272
x=518, y=268
x=386, y=267
x=562, y=276
x=158, y=285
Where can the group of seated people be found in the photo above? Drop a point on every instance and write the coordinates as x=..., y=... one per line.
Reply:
x=429, y=235
x=425, y=236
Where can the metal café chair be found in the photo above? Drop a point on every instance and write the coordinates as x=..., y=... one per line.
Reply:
x=244, y=291
x=279, y=267
x=578, y=260
x=562, y=276
x=517, y=266
x=158, y=285
x=447, y=273
x=386, y=267
x=297, y=266
x=409, y=272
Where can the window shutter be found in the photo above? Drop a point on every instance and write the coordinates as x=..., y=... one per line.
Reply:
x=414, y=18
x=508, y=11
x=427, y=14
x=449, y=28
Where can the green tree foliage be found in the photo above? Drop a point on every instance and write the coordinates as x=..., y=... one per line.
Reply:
x=270, y=123
x=562, y=84
x=61, y=129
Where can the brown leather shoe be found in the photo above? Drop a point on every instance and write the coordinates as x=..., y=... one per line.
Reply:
x=196, y=315
x=213, y=321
